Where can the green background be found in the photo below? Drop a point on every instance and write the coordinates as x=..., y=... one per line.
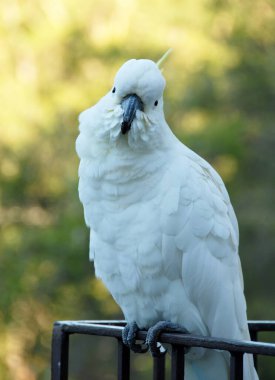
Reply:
x=58, y=57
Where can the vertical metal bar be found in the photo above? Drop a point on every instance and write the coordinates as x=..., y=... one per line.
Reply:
x=123, y=361
x=236, y=366
x=254, y=337
x=177, y=362
x=159, y=368
x=60, y=353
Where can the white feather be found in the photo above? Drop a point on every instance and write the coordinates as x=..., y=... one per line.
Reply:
x=164, y=236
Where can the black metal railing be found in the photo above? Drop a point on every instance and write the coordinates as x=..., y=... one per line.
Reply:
x=63, y=329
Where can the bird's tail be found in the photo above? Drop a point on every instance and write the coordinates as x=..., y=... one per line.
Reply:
x=214, y=365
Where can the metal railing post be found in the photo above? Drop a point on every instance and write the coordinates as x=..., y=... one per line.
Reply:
x=123, y=361
x=60, y=353
x=236, y=365
x=254, y=337
x=159, y=368
x=177, y=362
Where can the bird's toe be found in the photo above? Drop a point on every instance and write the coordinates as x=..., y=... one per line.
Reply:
x=154, y=332
x=125, y=333
x=129, y=338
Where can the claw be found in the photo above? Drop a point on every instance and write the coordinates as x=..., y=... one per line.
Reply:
x=154, y=332
x=129, y=338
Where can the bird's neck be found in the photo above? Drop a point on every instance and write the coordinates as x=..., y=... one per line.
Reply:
x=121, y=163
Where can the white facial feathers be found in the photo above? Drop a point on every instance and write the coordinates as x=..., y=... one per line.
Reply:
x=141, y=77
x=102, y=123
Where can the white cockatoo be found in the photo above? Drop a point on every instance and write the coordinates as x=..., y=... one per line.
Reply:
x=164, y=236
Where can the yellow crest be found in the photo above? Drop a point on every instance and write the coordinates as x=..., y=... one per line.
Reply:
x=162, y=59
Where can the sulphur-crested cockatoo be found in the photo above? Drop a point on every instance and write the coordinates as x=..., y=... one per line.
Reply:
x=164, y=236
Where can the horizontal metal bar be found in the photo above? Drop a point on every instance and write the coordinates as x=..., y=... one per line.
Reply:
x=110, y=322
x=261, y=325
x=188, y=340
x=253, y=325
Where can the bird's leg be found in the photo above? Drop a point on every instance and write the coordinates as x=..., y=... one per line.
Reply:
x=129, y=338
x=154, y=332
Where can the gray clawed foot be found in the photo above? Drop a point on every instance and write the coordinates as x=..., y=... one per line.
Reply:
x=130, y=331
x=154, y=332
x=129, y=338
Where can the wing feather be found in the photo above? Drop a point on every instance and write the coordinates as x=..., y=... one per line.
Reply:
x=203, y=227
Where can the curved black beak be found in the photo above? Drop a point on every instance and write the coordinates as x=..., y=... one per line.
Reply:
x=130, y=104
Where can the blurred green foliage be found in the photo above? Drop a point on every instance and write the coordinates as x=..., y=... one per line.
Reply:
x=58, y=58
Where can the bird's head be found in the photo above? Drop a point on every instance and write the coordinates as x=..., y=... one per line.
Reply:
x=131, y=113
x=138, y=90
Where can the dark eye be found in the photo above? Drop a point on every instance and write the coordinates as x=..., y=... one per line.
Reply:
x=156, y=103
x=113, y=90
